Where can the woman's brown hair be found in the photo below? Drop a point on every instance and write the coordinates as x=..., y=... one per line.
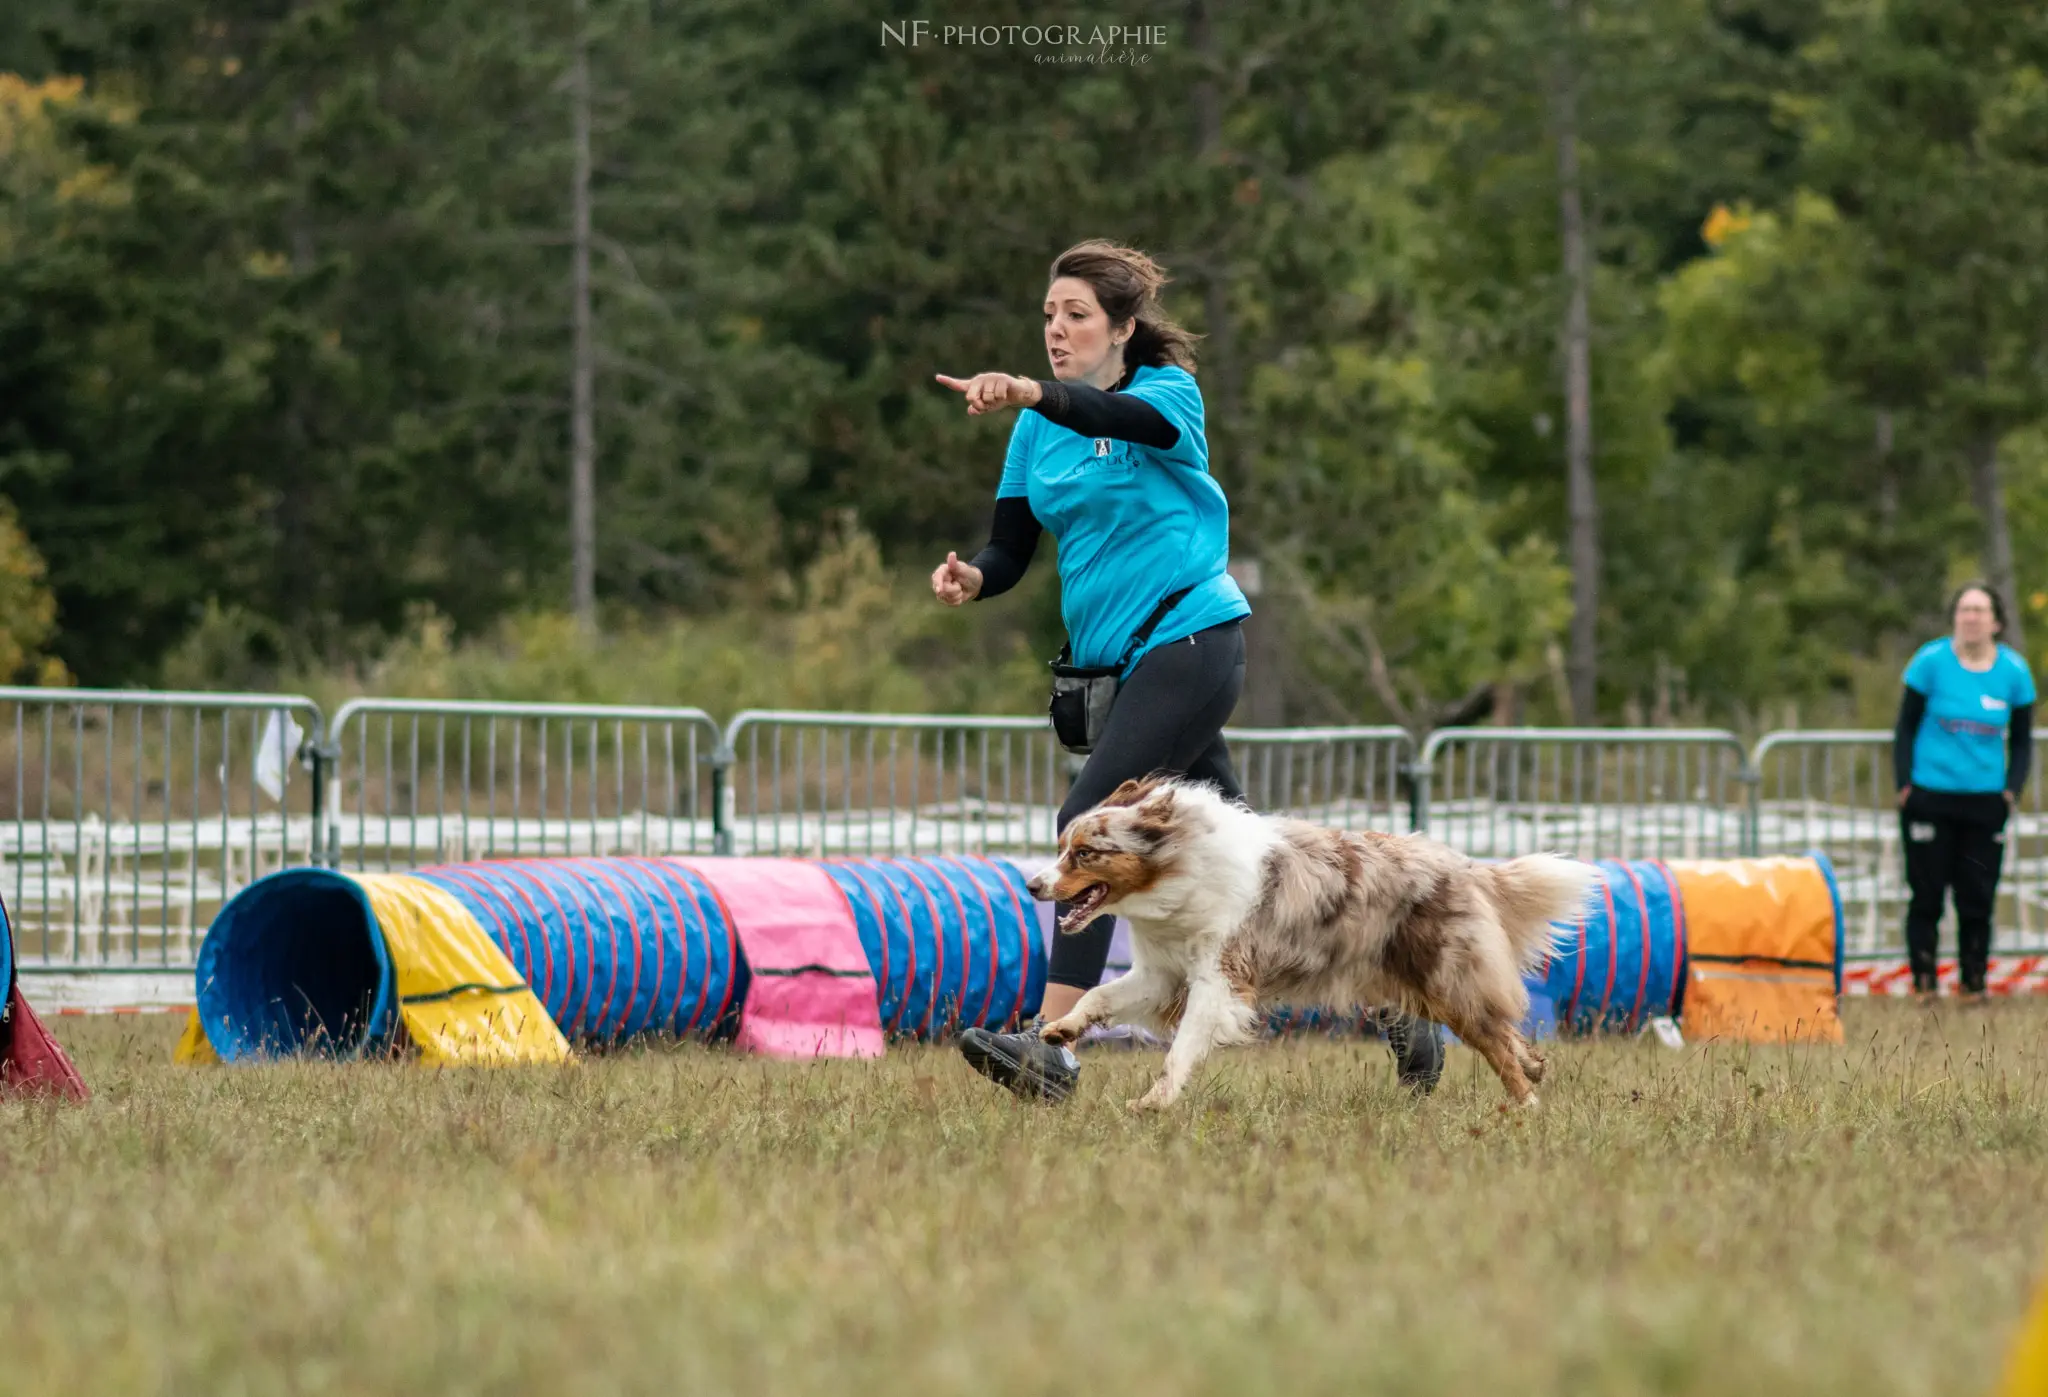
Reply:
x=1127, y=284
x=1991, y=594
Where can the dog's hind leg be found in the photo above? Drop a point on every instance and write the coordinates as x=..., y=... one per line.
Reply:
x=1502, y=1047
x=1532, y=1060
x=1215, y=1017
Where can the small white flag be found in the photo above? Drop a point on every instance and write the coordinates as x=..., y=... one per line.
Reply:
x=275, y=750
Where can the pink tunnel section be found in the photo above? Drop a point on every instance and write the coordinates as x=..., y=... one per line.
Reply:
x=812, y=991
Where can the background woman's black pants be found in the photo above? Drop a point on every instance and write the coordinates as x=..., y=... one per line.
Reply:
x=1168, y=716
x=1953, y=842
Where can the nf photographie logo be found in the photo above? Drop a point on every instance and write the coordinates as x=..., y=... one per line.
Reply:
x=1047, y=43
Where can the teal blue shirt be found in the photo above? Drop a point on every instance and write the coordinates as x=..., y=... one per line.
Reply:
x=1961, y=743
x=1135, y=524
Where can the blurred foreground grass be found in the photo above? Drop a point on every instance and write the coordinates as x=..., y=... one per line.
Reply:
x=1865, y=1220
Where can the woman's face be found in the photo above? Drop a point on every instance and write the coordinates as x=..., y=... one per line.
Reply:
x=1975, y=621
x=1078, y=339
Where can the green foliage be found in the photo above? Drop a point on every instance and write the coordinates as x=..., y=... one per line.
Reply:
x=847, y=635
x=28, y=612
x=284, y=337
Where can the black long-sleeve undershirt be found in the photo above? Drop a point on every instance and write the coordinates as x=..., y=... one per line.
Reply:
x=1912, y=708
x=1012, y=539
x=2020, y=753
x=1084, y=408
x=2019, y=742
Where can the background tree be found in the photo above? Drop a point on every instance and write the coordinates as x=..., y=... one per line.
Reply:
x=291, y=353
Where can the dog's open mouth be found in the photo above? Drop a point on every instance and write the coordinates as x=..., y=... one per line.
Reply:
x=1081, y=910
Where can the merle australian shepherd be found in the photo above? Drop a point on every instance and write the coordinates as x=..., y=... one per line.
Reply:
x=1233, y=913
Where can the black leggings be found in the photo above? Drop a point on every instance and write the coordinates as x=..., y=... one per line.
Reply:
x=1168, y=716
x=1953, y=843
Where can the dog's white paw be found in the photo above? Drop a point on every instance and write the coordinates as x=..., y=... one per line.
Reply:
x=1157, y=1099
x=1062, y=1031
x=1530, y=1103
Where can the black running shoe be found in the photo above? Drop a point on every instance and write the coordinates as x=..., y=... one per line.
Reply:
x=1023, y=1062
x=1418, y=1051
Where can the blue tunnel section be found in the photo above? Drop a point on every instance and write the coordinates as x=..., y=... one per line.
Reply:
x=614, y=947
x=6, y=956
x=295, y=963
x=953, y=942
x=1624, y=965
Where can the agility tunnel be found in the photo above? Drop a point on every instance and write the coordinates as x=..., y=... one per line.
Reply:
x=31, y=1061
x=516, y=960
x=1747, y=949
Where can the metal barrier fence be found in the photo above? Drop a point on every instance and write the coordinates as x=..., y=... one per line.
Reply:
x=1348, y=778
x=415, y=782
x=128, y=819
x=841, y=783
x=1592, y=792
x=852, y=783
x=1833, y=791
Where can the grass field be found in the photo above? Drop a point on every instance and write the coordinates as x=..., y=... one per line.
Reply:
x=1865, y=1220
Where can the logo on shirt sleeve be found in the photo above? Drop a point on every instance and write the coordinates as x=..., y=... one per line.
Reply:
x=1101, y=447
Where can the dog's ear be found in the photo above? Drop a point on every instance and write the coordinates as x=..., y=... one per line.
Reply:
x=1152, y=816
x=1157, y=806
x=1131, y=792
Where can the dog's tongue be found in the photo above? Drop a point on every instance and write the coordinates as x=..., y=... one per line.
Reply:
x=1080, y=913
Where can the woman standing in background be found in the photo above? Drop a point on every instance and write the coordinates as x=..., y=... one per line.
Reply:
x=1959, y=757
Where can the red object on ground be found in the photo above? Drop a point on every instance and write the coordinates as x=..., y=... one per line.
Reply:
x=34, y=1064
x=2007, y=975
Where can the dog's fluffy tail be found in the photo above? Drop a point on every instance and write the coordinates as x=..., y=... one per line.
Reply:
x=1534, y=891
